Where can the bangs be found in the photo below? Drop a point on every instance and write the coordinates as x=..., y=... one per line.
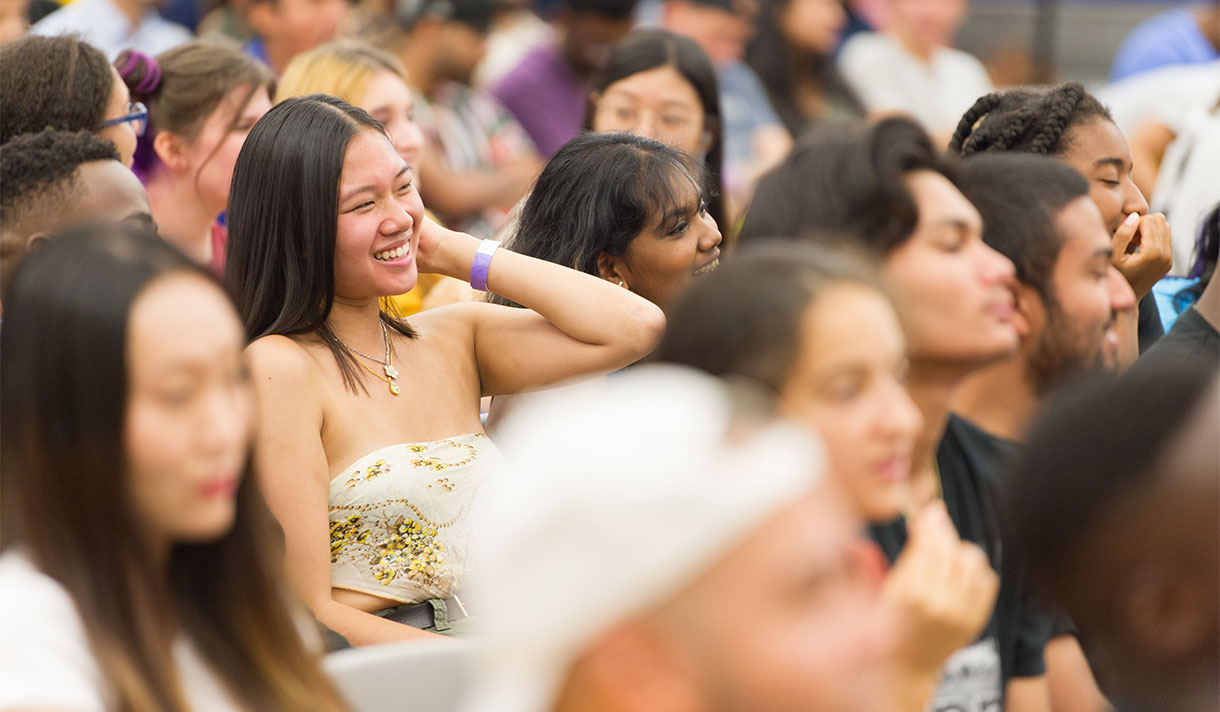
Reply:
x=666, y=184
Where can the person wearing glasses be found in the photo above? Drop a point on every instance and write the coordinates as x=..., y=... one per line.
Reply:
x=84, y=93
x=203, y=98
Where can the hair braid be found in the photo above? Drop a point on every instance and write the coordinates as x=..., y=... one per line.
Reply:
x=1062, y=103
x=974, y=115
x=1033, y=120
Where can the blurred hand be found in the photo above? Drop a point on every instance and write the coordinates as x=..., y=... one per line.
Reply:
x=940, y=592
x=1143, y=251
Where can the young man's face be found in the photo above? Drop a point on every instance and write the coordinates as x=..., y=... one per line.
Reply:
x=109, y=193
x=1072, y=327
x=460, y=49
x=952, y=291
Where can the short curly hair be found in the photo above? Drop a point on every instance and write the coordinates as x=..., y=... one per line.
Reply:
x=1026, y=120
x=40, y=172
x=52, y=82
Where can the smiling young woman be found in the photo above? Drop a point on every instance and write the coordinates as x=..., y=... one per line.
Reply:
x=370, y=443
x=625, y=208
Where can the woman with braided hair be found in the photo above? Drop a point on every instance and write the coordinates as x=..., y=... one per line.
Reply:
x=1068, y=122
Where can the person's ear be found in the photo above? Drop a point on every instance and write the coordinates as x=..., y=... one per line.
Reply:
x=171, y=150
x=1163, y=616
x=612, y=269
x=1029, y=310
x=35, y=240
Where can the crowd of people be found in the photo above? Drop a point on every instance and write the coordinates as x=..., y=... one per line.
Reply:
x=671, y=355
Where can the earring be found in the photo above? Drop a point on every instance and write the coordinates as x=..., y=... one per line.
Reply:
x=622, y=284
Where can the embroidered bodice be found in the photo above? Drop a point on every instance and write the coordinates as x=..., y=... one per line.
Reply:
x=400, y=524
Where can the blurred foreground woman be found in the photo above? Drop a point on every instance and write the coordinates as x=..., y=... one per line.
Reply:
x=140, y=567
x=708, y=565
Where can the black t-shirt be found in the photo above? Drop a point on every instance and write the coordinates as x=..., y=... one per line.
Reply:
x=1011, y=645
x=1148, y=326
x=1191, y=338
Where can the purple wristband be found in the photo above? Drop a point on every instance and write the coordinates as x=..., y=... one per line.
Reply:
x=482, y=263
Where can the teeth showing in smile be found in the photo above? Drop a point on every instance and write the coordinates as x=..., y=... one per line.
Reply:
x=392, y=254
x=710, y=267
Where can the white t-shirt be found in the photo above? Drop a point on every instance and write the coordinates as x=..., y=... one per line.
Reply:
x=45, y=658
x=888, y=78
x=102, y=24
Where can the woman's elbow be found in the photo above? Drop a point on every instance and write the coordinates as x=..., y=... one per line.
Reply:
x=647, y=327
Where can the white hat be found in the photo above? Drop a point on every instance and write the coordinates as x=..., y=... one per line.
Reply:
x=612, y=506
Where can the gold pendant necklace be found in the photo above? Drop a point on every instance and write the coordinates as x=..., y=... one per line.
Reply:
x=387, y=365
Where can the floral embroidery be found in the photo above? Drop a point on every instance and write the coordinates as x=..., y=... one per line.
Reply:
x=371, y=473
x=399, y=525
x=436, y=464
x=404, y=548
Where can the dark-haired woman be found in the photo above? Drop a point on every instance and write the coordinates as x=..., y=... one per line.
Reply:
x=624, y=208
x=141, y=569
x=63, y=83
x=663, y=86
x=370, y=444
x=202, y=98
x=793, y=54
x=1068, y=122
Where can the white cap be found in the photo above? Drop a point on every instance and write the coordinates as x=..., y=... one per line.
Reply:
x=611, y=506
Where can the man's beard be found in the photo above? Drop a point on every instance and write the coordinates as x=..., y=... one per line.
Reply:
x=1063, y=352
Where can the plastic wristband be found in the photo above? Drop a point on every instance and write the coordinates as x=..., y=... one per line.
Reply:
x=482, y=263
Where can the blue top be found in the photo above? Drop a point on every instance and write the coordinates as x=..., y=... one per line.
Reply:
x=744, y=108
x=256, y=48
x=1169, y=38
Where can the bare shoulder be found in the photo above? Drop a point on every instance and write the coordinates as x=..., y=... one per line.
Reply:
x=279, y=352
x=276, y=361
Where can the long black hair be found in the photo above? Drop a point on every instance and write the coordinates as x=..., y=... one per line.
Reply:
x=643, y=50
x=780, y=66
x=596, y=195
x=847, y=180
x=283, y=217
x=63, y=477
x=1029, y=120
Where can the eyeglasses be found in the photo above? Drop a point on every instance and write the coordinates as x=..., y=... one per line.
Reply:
x=138, y=115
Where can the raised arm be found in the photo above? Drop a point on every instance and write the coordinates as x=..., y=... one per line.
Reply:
x=292, y=470
x=574, y=324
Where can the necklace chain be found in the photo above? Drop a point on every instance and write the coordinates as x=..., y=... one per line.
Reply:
x=391, y=373
x=385, y=335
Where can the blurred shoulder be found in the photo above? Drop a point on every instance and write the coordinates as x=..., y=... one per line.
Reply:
x=45, y=658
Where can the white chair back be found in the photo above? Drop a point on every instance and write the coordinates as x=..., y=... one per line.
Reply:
x=403, y=677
